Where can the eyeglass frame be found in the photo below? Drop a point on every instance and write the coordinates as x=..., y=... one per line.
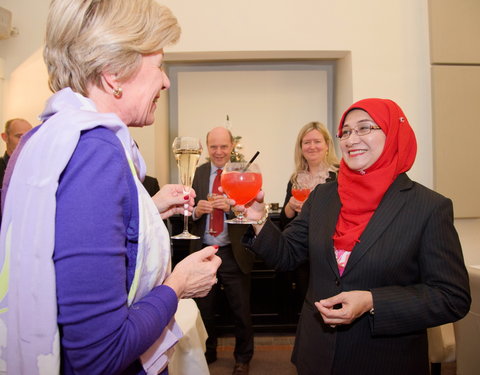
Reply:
x=370, y=127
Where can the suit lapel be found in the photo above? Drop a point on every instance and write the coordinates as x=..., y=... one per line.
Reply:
x=204, y=179
x=386, y=211
x=325, y=210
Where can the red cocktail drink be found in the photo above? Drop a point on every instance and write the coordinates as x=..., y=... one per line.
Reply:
x=300, y=194
x=241, y=186
x=241, y=181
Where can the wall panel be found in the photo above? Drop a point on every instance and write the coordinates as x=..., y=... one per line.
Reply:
x=455, y=31
x=456, y=97
x=455, y=60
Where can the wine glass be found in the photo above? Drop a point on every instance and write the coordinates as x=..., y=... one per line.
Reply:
x=241, y=181
x=302, y=185
x=187, y=152
x=211, y=198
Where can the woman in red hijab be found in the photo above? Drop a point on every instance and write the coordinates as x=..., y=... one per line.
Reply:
x=386, y=262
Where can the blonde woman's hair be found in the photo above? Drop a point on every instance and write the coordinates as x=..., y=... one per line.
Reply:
x=87, y=37
x=331, y=160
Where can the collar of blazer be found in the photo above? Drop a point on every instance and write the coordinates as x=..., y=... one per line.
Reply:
x=324, y=206
x=391, y=204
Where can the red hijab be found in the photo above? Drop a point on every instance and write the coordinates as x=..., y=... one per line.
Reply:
x=360, y=194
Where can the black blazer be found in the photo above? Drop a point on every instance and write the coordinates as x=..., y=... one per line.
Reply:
x=409, y=257
x=3, y=166
x=151, y=185
x=243, y=256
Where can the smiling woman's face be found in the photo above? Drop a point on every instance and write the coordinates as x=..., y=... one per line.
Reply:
x=141, y=92
x=314, y=147
x=360, y=152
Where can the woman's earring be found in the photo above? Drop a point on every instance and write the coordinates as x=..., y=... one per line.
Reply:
x=117, y=92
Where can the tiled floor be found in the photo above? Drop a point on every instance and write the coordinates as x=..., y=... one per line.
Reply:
x=259, y=340
x=272, y=356
x=449, y=368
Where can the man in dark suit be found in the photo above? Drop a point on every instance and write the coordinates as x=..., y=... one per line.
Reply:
x=234, y=272
x=14, y=130
x=151, y=185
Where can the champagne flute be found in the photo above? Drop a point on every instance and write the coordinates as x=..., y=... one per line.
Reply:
x=187, y=152
x=241, y=181
x=302, y=186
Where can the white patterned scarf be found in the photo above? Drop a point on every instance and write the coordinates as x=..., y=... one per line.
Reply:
x=29, y=336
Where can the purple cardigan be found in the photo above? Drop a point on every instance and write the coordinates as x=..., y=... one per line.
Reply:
x=96, y=233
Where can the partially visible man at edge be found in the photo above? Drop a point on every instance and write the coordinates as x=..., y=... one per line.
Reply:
x=14, y=130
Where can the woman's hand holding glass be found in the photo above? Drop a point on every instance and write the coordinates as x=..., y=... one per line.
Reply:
x=301, y=188
x=171, y=200
x=295, y=204
x=253, y=211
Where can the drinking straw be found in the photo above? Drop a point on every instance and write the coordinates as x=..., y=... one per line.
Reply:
x=251, y=161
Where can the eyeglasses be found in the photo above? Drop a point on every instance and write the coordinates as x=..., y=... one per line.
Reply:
x=361, y=130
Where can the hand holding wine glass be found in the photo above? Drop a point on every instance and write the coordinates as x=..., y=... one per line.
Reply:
x=254, y=211
x=302, y=186
x=187, y=152
x=171, y=200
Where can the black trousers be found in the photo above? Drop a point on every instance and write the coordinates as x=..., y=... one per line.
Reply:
x=236, y=286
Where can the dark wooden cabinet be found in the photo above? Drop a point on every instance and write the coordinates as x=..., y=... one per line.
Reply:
x=275, y=299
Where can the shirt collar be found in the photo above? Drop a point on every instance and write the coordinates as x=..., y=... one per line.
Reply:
x=213, y=168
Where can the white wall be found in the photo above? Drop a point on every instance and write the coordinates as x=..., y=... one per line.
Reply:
x=261, y=111
x=26, y=89
x=29, y=17
x=469, y=233
x=388, y=41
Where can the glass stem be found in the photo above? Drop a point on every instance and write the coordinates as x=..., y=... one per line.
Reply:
x=185, y=218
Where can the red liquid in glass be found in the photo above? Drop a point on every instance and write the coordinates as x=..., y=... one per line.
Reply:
x=300, y=194
x=241, y=186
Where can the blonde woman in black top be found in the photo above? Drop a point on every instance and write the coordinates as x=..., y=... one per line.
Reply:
x=315, y=154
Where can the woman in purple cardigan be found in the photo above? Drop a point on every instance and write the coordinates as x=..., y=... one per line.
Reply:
x=85, y=282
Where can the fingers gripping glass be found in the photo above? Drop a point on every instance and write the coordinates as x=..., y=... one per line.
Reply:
x=187, y=151
x=363, y=129
x=302, y=186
